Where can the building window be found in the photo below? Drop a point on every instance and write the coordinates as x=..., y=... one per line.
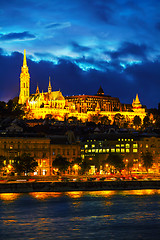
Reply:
x=146, y=145
x=93, y=146
x=122, y=150
x=86, y=146
x=135, y=145
x=135, y=150
x=112, y=149
x=127, y=145
x=118, y=150
x=127, y=150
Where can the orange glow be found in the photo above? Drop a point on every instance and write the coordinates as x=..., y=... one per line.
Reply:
x=45, y=195
x=9, y=197
x=74, y=194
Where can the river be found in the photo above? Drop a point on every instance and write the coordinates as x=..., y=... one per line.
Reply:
x=131, y=214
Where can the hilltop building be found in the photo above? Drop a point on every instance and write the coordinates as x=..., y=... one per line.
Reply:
x=83, y=107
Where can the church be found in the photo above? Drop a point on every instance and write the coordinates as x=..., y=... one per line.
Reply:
x=53, y=104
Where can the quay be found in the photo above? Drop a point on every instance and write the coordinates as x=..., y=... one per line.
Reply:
x=25, y=187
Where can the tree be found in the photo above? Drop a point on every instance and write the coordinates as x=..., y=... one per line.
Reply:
x=24, y=164
x=105, y=120
x=146, y=121
x=119, y=120
x=147, y=160
x=61, y=163
x=116, y=160
x=85, y=166
x=137, y=121
x=2, y=158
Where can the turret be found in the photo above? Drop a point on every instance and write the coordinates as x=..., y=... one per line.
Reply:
x=24, y=82
x=37, y=89
x=49, y=86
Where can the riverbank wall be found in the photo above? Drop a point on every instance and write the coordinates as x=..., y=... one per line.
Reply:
x=25, y=187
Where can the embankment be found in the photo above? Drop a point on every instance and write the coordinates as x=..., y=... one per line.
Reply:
x=25, y=187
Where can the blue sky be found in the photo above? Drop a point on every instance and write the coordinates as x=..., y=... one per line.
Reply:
x=82, y=44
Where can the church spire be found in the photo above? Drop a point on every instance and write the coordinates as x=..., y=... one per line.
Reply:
x=24, y=82
x=24, y=59
x=37, y=90
x=49, y=86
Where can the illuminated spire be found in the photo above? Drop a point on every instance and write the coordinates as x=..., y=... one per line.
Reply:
x=137, y=99
x=136, y=103
x=37, y=90
x=24, y=59
x=49, y=87
x=24, y=82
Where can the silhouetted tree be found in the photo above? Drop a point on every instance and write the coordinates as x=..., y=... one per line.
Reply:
x=116, y=160
x=24, y=164
x=147, y=160
x=137, y=121
x=61, y=163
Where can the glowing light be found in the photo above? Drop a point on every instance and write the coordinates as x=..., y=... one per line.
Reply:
x=45, y=195
x=9, y=197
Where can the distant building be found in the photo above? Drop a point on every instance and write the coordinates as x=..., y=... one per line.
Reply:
x=83, y=107
x=43, y=149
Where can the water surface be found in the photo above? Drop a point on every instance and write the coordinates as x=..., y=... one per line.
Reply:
x=133, y=214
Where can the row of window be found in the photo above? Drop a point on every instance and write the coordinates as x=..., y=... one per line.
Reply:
x=135, y=145
x=112, y=150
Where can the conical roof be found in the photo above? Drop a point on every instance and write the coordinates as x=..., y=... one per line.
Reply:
x=100, y=91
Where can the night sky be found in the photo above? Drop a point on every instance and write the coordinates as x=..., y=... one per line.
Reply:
x=82, y=44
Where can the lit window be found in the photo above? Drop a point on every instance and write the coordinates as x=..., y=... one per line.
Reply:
x=93, y=150
x=100, y=150
x=93, y=146
x=89, y=150
x=127, y=150
x=107, y=150
x=135, y=150
x=122, y=150
x=127, y=145
x=122, y=139
x=119, y=139
x=117, y=150
x=104, y=150
x=122, y=145
x=128, y=139
x=96, y=150
x=135, y=145
x=117, y=145
x=131, y=139
x=146, y=145
x=125, y=139
x=112, y=150
x=86, y=146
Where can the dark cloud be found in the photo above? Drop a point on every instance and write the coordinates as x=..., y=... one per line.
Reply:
x=16, y=36
x=130, y=49
x=54, y=25
x=78, y=48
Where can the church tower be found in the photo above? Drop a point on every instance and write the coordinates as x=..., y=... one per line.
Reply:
x=49, y=86
x=24, y=82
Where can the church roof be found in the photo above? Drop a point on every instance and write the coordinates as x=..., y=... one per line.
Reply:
x=100, y=91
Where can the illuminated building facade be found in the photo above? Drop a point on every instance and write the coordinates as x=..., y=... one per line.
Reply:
x=130, y=146
x=43, y=149
x=83, y=107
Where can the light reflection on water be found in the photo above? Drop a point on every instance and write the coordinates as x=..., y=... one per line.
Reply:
x=9, y=197
x=93, y=215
